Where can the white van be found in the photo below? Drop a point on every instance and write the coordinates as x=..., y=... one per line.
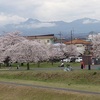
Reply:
x=78, y=59
x=66, y=60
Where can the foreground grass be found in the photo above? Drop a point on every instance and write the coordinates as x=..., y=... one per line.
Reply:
x=12, y=92
x=75, y=77
x=81, y=79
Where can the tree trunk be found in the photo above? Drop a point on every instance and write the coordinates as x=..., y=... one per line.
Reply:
x=7, y=64
x=22, y=64
x=52, y=63
x=0, y=65
x=28, y=67
x=38, y=64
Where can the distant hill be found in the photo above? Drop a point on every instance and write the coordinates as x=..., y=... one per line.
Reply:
x=80, y=27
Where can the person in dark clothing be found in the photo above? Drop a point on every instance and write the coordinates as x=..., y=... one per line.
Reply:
x=82, y=64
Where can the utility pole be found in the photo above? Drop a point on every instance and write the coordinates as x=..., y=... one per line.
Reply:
x=71, y=36
x=71, y=40
x=60, y=34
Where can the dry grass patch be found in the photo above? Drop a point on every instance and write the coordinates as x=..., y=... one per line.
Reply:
x=12, y=92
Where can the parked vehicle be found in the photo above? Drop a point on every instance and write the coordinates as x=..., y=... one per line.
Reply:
x=72, y=59
x=66, y=60
x=78, y=59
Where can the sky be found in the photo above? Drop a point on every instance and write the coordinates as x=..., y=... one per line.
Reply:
x=16, y=11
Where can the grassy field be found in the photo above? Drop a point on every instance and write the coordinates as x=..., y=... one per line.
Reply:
x=11, y=92
x=78, y=79
x=43, y=64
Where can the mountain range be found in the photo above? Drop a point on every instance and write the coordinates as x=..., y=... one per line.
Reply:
x=79, y=27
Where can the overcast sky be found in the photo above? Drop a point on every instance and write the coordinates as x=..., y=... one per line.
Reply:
x=15, y=11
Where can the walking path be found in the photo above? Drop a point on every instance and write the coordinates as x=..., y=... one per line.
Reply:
x=47, y=87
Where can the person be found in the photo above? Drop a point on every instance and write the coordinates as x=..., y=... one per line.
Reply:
x=62, y=64
x=82, y=65
x=17, y=66
x=68, y=68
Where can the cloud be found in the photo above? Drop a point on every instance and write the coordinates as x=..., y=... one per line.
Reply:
x=88, y=21
x=9, y=19
x=38, y=25
x=50, y=10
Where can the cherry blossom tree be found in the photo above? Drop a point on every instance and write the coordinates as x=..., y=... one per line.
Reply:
x=54, y=52
x=60, y=51
x=8, y=40
x=18, y=49
x=27, y=51
x=96, y=46
x=70, y=50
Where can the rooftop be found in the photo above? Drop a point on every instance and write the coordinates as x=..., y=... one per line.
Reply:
x=48, y=36
x=78, y=41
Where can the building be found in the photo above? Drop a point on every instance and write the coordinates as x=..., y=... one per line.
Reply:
x=47, y=39
x=81, y=45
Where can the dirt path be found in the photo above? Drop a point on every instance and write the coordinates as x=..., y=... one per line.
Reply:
x=47, y=87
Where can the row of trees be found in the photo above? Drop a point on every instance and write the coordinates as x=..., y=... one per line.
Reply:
x=16, y=48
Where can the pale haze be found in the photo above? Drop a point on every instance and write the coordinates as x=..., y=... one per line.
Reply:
x=15, y=11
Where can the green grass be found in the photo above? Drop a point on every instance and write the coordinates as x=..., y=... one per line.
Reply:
x=74, y=77
x=43, y=65
x=80, y=80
